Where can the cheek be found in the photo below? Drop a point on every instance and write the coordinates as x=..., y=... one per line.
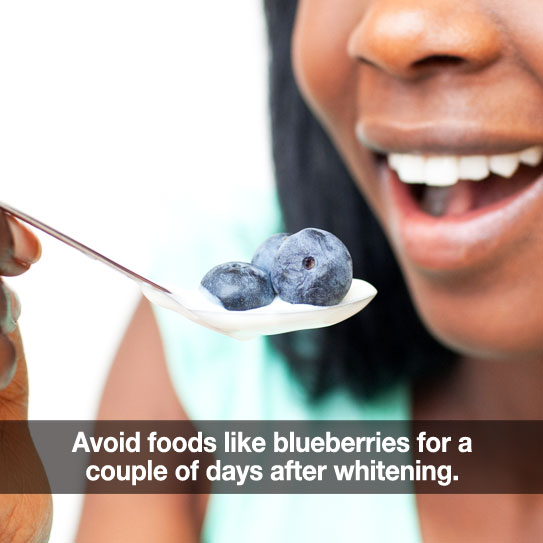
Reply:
x=329, y=81
x=325, y=75
x=528, y=31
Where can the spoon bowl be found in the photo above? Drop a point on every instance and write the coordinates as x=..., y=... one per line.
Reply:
x=278, y=317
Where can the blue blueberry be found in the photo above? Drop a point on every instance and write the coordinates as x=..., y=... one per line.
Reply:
x=312, y=267
x=239, y=286
x=264, y=255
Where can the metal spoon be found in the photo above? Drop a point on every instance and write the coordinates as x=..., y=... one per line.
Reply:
x=277, y=318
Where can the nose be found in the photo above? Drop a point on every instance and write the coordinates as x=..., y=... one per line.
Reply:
x=415, y=38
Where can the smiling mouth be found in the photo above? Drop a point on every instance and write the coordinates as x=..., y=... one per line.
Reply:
x=448, y=185
x=453, y=197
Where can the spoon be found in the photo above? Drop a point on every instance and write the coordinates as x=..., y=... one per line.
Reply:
x=197, y=305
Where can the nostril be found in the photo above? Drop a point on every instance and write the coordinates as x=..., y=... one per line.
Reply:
x=439, y=61
x=414, y=39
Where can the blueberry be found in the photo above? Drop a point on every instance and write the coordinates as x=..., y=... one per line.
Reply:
x=312, y=267
x=239, y=285
x=264, y=255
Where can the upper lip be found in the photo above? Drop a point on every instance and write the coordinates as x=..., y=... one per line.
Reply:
x=442, y=138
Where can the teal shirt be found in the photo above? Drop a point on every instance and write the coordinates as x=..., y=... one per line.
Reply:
x=217, y=377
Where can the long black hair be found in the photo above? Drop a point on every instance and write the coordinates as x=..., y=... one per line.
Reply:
x=385, y=343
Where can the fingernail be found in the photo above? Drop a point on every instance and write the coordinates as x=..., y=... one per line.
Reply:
x=10, y=309
x=26, y=247
x=15, y=305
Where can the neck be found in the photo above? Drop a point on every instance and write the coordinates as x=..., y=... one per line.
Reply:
x=485, y=390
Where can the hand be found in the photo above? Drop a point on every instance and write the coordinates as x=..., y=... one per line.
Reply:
x=18, y=250
x=23, y=518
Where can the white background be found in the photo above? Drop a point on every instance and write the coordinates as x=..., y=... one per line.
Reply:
x=110, y=111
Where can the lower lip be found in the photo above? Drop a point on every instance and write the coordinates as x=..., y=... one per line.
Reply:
x=463, y=241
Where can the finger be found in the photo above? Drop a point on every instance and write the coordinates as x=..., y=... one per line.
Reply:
x=8, y=361
x=19, y=248
x=14, y=394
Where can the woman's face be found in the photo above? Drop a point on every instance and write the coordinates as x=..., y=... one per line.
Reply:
x=424, y=100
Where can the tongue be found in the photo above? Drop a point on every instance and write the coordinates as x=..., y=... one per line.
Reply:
x=454, y=200
x=467, y=195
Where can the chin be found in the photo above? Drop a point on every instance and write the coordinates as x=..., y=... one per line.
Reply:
x=478, y=321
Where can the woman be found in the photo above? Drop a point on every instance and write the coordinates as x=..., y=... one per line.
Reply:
x=420, y=100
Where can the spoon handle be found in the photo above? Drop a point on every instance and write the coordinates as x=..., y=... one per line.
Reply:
x=91, y=253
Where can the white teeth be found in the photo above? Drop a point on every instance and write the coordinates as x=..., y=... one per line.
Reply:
x=473, y=167
x=443, y=171
x=532, y=156
x=504, y=165
x=393, y=160
x=410, y=168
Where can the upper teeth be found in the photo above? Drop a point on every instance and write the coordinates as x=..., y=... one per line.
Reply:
x=442, y=171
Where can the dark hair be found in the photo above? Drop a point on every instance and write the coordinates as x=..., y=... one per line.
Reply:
x=386, y=343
